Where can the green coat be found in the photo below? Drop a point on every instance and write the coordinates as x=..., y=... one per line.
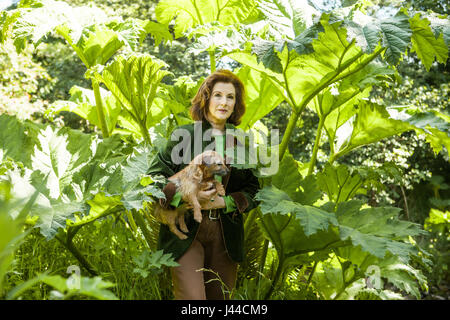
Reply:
x=240, y=184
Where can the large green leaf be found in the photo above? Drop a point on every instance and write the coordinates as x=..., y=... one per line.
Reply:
x=287, y=18
x=56, y=216
x=288, y=179
x=82, y=102
x=262, y=96
x=320, y=60
x=293, y=228
x=368, y=123
x=57, y=157
x=177, y=98
x=439, y=24
x=93, y=35
x=134, y=81
x=135, y=193
x=388, y=269
x=36, y=23
x=159, y=31
x=435, y=125
x=372, y=123
x=377, y=231
x=288, y=176
x=393, y=33
x=69, y=169
x=96, y=45
x=123, y=186
x=79, y=285
x=90, y=179
x=14, y=141
x=425, y=44
x=191, y=13
x=338, y=183
x=396, y=36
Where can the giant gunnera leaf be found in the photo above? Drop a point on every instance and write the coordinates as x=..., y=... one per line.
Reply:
x=134, y=80
x=191, y=13
x=293, y=228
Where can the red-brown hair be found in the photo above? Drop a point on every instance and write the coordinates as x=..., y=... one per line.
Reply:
x=200, y=103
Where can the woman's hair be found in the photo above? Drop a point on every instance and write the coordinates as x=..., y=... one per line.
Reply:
x=200, y=103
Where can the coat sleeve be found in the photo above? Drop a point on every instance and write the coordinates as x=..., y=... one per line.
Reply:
x=162, y=166
x=243, y=188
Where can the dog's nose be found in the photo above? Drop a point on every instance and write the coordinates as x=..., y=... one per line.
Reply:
x=224, y=171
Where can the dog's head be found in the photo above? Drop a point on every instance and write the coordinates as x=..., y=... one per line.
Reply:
x=211, y=163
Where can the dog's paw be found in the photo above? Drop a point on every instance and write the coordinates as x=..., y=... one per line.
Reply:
x=184, y=228
x=198, y=218
x=182, y=236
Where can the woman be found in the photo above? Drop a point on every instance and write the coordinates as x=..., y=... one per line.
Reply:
x=217, y=242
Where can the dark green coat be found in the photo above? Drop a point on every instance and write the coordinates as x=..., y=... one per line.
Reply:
x=240, y=184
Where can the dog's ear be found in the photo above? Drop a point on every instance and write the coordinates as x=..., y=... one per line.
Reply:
x=198, y=172
x=206, y=160
x=228, y=160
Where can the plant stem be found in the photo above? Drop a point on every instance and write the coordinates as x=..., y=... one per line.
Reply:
x=131, y=221
x=311, y=275
x=292, y=119
x=322, y=85
x=92, y=219
x=262, y=261
x=276, y=279
x=287, y=134
x=67, y=242
x=316, y=145
x=99, y=107
x=143, y=226
x=212, y=59
x=199, y=15
x=406, y=202
x=145, y=133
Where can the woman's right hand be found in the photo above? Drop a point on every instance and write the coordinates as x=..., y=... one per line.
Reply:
x=204, y=198
x=207, y=195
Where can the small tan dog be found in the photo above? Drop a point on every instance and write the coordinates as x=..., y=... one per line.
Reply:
x=195, y=177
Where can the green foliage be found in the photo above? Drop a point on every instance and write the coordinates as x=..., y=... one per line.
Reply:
x=73, y=286
x=424, y=39
x=133, y=81
x=19, y=82
x=70, y=176
x=310, y=215
x=151, y=263
x=192, y=13
x=262, y=96
x=300, y=232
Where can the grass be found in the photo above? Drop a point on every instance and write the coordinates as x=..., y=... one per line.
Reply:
x=108, y=245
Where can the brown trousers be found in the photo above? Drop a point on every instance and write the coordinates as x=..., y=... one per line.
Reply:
x=207, y=251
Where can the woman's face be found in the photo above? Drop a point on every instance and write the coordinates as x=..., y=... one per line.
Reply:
x=221, y=103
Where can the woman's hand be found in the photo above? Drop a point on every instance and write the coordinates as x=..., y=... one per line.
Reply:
x=209, y=199
x=206, y=195
x=216, y=202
